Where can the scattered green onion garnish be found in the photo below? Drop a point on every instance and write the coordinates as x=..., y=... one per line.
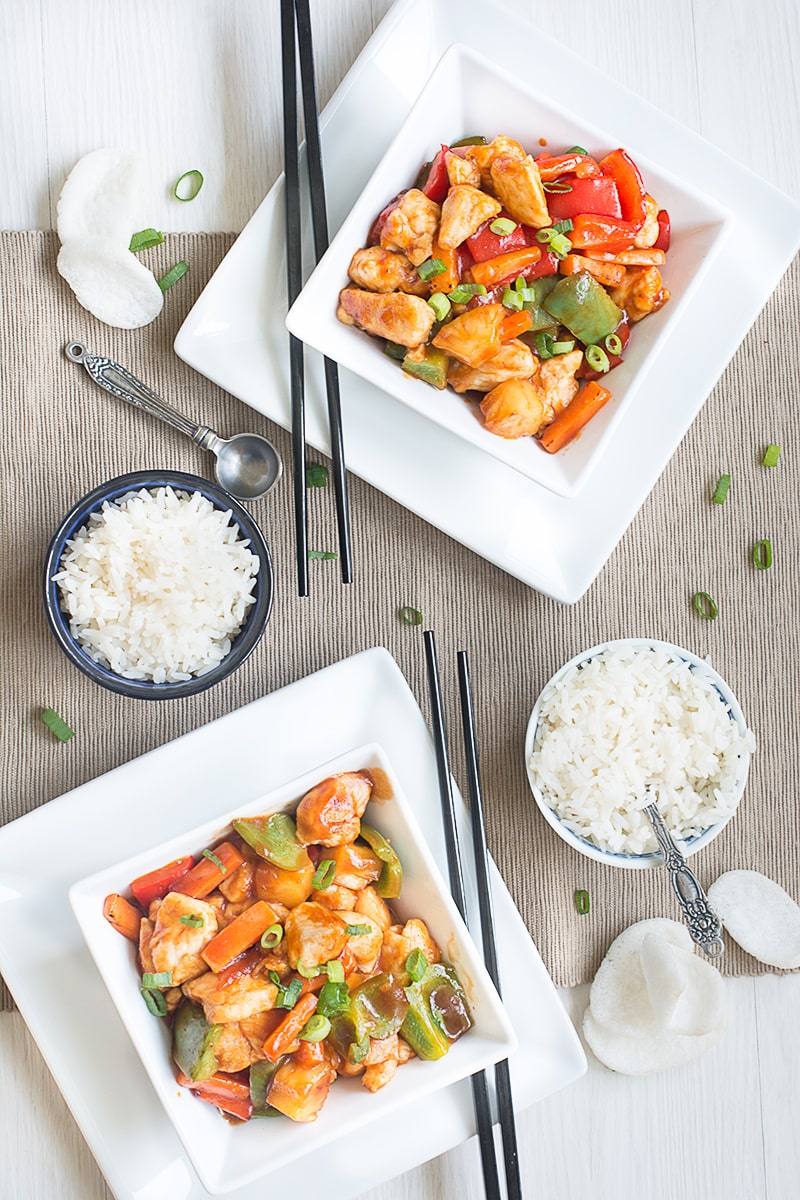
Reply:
x=155, y=1002
x=173, y=275
x=520, y=283
x=614, y=344
x=315, y=1029
x=771, y=455
x=272, y=937
x=706, y=605
x=465, y=291
x=440, y=305
x=721, y=490
x=543, y=343
x=194, y=181
x=324, y=875
x=560, y=245
x=325, y=555
x=57, y=725
x=544, y=235
x=316, y=475
x=431, y=268
x=762, y=554
x=307, y=972
x=512, y=299
x=562, y=348
x=582, y=901
x=503, y=225
x=334, y=970
x=564, y=226
x=410, y=616
x=334, y=997
x=577, y=150
x=218, y=863
x=416, y=964
x=357, y=930
x=145, y=239
x=288, y=996
x=558, y=185
x=597, y=358
x=157, y=979
x=193, y=920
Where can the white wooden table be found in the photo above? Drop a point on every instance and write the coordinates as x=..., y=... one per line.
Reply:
x=197, y=83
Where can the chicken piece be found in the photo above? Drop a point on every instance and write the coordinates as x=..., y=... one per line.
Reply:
x=473, y=337
x=380, y=270
x=404, y=1052
x=365, y=947
x=399, y=941
x=145, y=935
x=641, y=292
x=381, y=1050
x=484, y=156
x=314, y=935
x=176, y=947
x=356, y=865
x=371, y=905
x=518, y=185
x=234, y=1001
x=514, y=409
x=465, y=209
x=418, y=937
x=648, y=234
x=461, y=170
x=556, y=381
x=514, y=360
x=279, y=886
x=335, y=897
x=330, y=813
x=405, y=320
x=240, y=885
x=411, y=226
x=233, y=1050
x=300, y=1086
x=349, y=1070
x=378, y=1076
x=257, y=1028
x=173, y=997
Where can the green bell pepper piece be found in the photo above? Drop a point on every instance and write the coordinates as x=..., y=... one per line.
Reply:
x=540, y=319
x=542, y=287
x=427, y=364
x=395, y=350
x=261, y=1073
x=437, y=1012
x=585, y=307
x=390, y=883
x=193, y=1042
x=274, y=838
x=377, y=1009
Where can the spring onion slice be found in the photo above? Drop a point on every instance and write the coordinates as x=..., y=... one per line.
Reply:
x=144, y=239
x=334, y=970
x=57, y=725
x=173, y=275
x=560, y=245
x=288, y=996
x=324, y=875
x=576, y=150
x=762, y=554
x=558, y=185
x=597, y=358
x=512, y=299
x=721, y=490
x=562, y=348
x=416, y=964
x=155, y=1002
x=564, y=226
x=520, y=283
x=315, y=1029
x=334, y=997
x=431, y=268
x=614, y=344
x=357, y=930
x=465, y=291
x=324, y=555
x=192, y=920
x=440, y=305
x=274, y=978
x=543, y=343
x=545, y=236
x=706, y=605
x=272, y=937
x=503, y=225
x=307, y=972
x=410, y=616
x=195, y=182
x=582, y=901
x=316, y=475
x=771, y=455
x=218, y=863
x=156, y=979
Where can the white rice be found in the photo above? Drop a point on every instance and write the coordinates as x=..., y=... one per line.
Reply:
x=631, y=726
x=157, y=585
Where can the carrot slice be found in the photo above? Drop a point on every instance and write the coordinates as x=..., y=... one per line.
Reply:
x=156, y=884
x=449, y=280
x=240, y=966
x=120, y=913
x=609, y=273
x=281, y=1038
x=206, y=875
x=515, y=324
x=505, y=266
x=240, y=935
x=571, y=420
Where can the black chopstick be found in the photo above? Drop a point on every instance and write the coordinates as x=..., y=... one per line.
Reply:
x=480, y=1089
x=502, y=1077
x=319, y=220
x=294, y=272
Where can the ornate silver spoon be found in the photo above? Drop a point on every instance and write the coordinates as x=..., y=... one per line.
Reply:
x=703, y=923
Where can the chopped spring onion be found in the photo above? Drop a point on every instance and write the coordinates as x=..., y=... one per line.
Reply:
x=275, y=978
x=315, y=1029
x=410, y=616
x=465, y=291
x=144, y=239
x=193, y=182
x=576, y=150
x=706, y=605
x=560, y=245
x=503, y=225
x=564, y=226
x=335, y=970
x=155, y=1002
x=324, y=555
x=520, y=283
x=173, y=275
x=324, y=875
x=57, y=725
x=193, y=920
x=614, y=344
x=543, y=343
x=431, y=268
x=562, y=348
x=218, y=863
x=545, y=235
x=317, y=474
x=512, y=299
x=558, y=185
x=157, y=979
x=416, y=964
x=357, y=930
x=478, y=140
x=721, y=490
x=334, y=998
x=597, y=358
x=440, y=305
x=771, y=455
x=307, y=972
x=272, y=937
x=762, y=554
x=288, y=996
x=582, y=901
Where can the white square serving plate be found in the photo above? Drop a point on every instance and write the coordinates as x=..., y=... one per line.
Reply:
x=227, y=1156
x=466, y=95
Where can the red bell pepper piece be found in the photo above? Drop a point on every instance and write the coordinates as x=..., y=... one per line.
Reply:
x=437, y=184
x=663, y=239
x=156, y=884
x=553, y=166
x=231, y=1093
x=240, y=966
x=623, y=170
x=590, y=231
x=483, y=244
x=464, y=259
x=587, y=196
x=376, y=229
x=547, y=265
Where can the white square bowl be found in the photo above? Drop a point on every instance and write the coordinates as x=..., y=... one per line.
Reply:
x=466, y=95
x=225, y=1156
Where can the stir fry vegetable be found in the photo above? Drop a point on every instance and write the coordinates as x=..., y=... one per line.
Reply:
x=280, y=965
x=449, y=279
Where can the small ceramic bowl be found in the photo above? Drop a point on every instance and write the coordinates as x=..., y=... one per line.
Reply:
x=690, y=845
x=245, y=641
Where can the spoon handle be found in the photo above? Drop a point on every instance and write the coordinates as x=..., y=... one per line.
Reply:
x=703, y=922
x=120, y=383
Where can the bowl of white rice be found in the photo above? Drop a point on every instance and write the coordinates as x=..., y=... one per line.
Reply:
x=627, y=723
x=158, y=584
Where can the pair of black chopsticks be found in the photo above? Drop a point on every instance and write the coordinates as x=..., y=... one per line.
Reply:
x=289, y=45
x=480, y=1092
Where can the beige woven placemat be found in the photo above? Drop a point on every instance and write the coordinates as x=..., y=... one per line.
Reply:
x=63, y=436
